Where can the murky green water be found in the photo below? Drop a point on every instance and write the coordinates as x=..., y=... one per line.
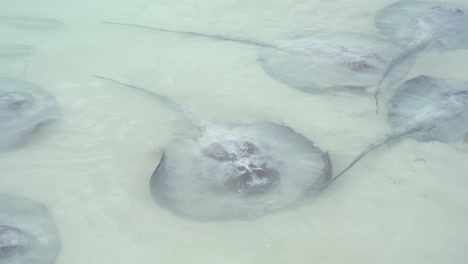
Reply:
x=404, y=203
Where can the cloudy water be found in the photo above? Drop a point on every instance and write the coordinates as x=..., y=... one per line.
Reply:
x=404, y=203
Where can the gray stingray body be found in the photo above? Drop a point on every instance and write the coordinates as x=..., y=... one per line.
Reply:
x=426, y=109
x=23, y=106
x=332, y=60
x=236, y=171
x=423, y=25
x=322, y=61
x=27, y=232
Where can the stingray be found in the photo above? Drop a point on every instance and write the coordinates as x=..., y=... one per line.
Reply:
x=235, y=171
x=423, y=25
x=16, y=49
x=322, y=61
x=27, y=232
x=426, y=109
x=23, y=106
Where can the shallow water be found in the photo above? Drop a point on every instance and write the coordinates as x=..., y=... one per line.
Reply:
x=404, y=203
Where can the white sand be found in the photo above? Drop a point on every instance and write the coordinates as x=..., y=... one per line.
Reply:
x=404, y=203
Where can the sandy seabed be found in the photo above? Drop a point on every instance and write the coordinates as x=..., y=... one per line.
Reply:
x=404, y=203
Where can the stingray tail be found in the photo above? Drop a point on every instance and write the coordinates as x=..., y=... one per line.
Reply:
x=212, y=36
x=385, y=139
x=196, y=119
x=411, y=49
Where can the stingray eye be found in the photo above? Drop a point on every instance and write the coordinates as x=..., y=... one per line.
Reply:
x=229, y=150
x=13, y=101
x=458, y=10
x=463, y=93
x=248, y=148
x=10, y=241
x=361, y=65
x=219, y=151
x=241, y=168
x=216, y=151
x=253, y=179
x=358, y=65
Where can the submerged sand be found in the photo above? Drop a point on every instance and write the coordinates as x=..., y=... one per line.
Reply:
x=404, y=203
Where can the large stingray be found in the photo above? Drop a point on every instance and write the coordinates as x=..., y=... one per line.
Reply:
x=322, y=61
x=27, y=232
x=23, y=106
x=423, y=25
x=426, y=109
x=236, y=170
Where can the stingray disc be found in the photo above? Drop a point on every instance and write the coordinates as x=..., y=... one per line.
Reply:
x=334, y=60
x=405, y=20
x=426, y=98
x=27, y=232
x=23, y=106
x=243, y=171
